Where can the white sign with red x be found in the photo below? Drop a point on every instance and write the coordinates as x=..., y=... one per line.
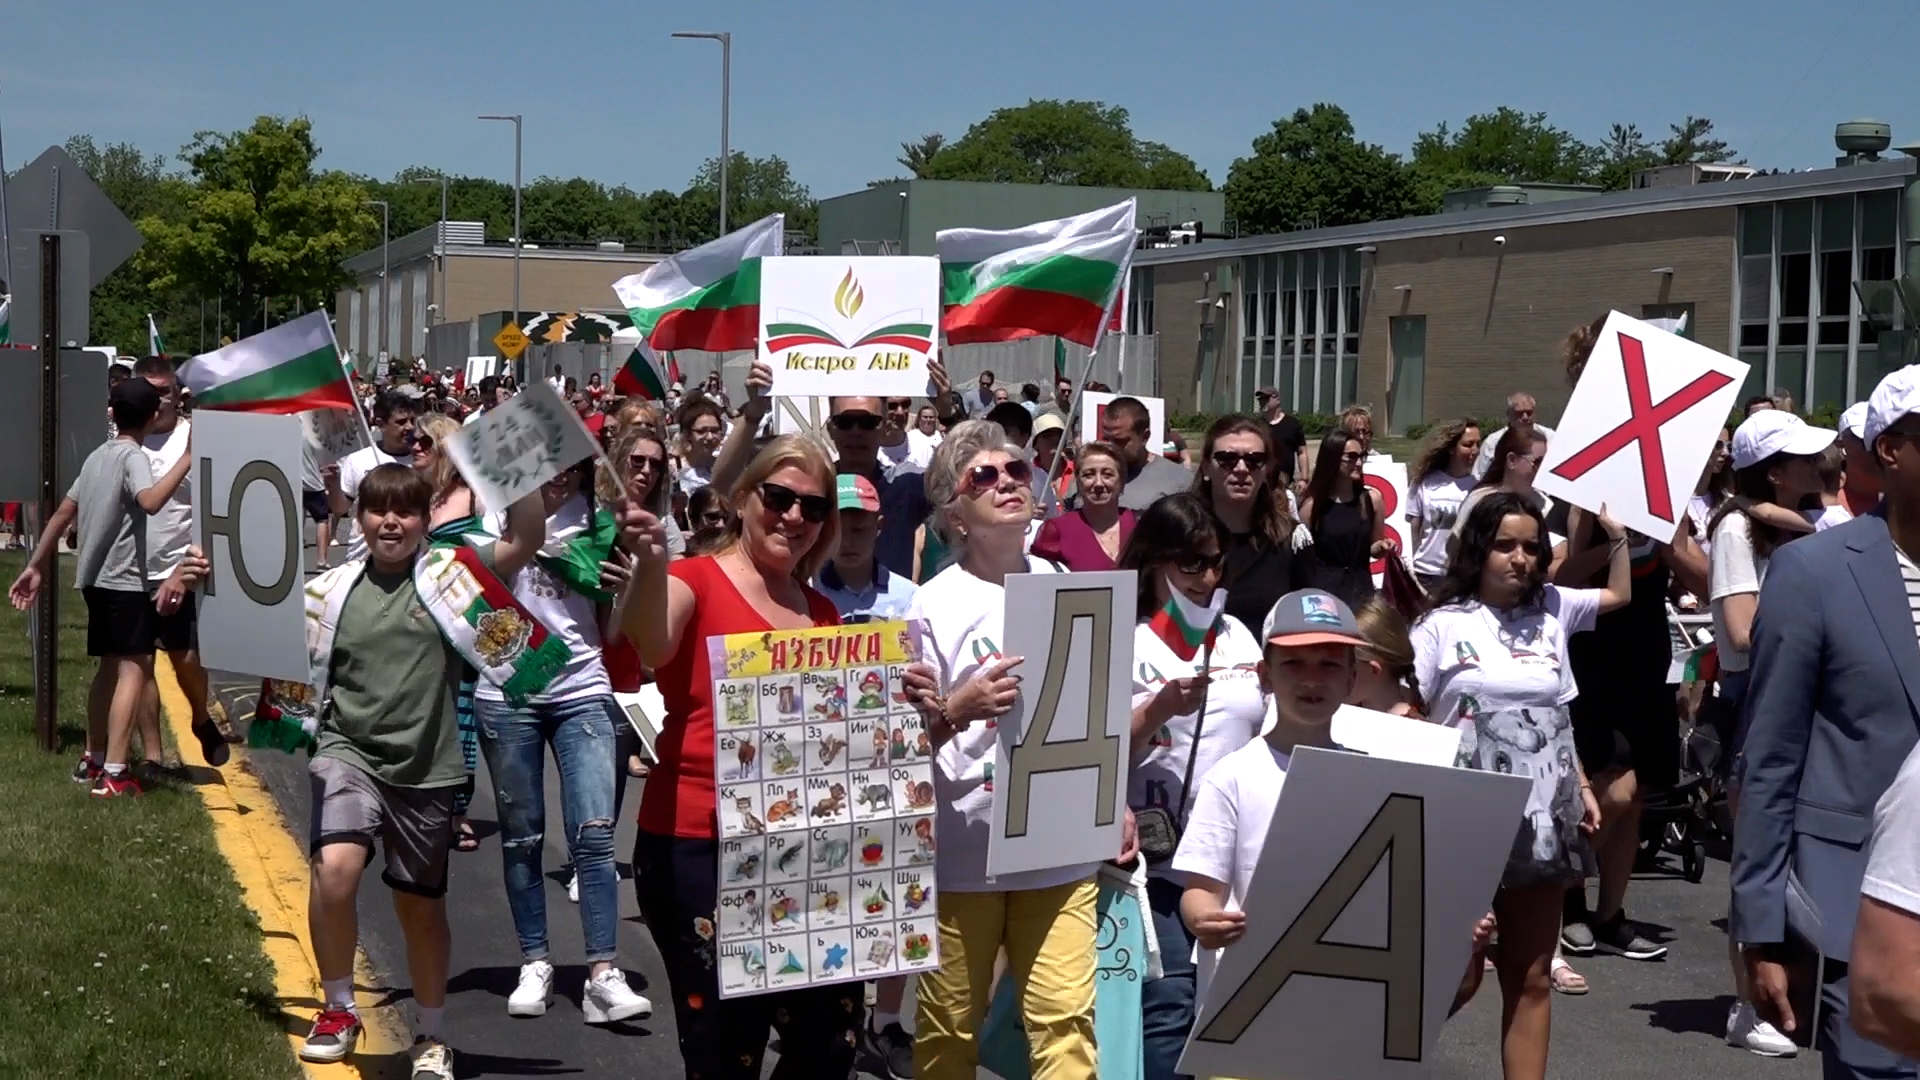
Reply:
x=1640, y=425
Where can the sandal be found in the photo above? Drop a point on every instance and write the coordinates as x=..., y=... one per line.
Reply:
x=1566, y=980
x=637, y=768
x=464, y=838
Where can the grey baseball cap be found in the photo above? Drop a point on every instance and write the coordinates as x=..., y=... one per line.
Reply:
x=1311, y=617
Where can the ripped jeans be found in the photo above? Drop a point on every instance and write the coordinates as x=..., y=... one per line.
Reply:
x=514, y=741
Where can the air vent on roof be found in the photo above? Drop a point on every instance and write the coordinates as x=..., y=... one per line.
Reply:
x=1506, y=195
x=1861, y=141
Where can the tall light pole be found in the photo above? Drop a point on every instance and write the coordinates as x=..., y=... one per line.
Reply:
x=725, y=38
x=517, y=238
x=440, y=241
x=382, y=204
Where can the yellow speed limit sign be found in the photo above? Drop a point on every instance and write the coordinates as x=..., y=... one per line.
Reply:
x=511, y=341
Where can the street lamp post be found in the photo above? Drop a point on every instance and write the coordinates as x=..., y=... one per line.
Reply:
x=382, y=204
x=518, y=240
x=725, y=38
x=440, y=241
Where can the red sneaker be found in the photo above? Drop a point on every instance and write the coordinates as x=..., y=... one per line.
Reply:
x=334, y=1034
x=109, y=786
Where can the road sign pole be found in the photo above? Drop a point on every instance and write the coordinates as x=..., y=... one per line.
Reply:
x=46, y=684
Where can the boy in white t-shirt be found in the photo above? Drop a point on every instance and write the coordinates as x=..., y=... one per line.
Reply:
x=1309, y=669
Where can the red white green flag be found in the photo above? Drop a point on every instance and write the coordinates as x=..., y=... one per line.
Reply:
x=289, y=369
x=703, y=298
x=1185, y=626
x=1057, y=277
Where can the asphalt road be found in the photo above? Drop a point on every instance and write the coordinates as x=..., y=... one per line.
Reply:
x=1652, y=1020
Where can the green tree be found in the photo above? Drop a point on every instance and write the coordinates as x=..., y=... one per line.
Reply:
x=1310, y=171
x=259, y=223
x=756, y=187
x=1505, y=146
x=1692, y=142
x=917, y=156
x=1081, y=143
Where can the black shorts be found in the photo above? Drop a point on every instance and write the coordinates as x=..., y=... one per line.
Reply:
x=120, y=623
x=1622, y=729
x=316, y=505
x=176, y=632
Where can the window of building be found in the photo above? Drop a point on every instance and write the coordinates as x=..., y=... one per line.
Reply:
x=1140, y=302
x=1301, y=328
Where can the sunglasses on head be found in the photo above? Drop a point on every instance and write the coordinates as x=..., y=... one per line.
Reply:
x=779, y=499
x=1197, y=564
x=1225, y=460
x=987, y=477
x=862, y=421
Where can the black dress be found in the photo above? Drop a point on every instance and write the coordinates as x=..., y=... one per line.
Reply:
x=1343, y=549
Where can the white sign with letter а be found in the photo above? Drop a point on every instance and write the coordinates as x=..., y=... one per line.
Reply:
x=512, y=450
x=247, y=520
x=1640, y=426
x=1360, y=920
x=1060, y=766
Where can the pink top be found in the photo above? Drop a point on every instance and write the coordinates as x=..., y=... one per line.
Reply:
x=1071, y=542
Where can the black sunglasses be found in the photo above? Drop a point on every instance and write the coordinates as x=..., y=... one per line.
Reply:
x=424, y=442
x=1256, y=460
x=636, y=462
x=1198, y=564
x=714, y=517
x=779, y=498
x=985, y=477
x=863, y=421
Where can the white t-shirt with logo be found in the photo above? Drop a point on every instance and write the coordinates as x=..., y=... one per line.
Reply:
x=1733, y=570
x=963, y=629
x=170, y=531
x=353, y=469
x=1434, y=504
x=1455, y=648
x=565, y=613
x=1236, y=706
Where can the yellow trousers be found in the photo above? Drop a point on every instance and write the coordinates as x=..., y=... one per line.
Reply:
x=1050, y=936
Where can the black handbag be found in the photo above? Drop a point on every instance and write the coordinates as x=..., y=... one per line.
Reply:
x=1155, y=829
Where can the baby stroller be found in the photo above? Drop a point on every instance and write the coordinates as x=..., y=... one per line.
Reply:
x=1683, y=818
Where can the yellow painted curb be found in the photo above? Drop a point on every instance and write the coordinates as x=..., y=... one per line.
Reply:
x=273, y=876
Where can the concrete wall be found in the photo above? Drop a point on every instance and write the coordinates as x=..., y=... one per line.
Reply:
x=932, y=205
x=1177, y=321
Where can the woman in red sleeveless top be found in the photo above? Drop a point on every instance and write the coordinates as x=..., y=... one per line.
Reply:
x=788, y=525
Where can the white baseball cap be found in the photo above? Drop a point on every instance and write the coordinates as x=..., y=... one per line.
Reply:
x=1776, y=431
x=1854, y=421
x=1897, y=395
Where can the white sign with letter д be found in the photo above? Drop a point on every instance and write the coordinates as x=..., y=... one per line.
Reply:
x=1640, y=426
x=860, y=325
x=246, y=509
x=1060, y=766
x=1360, y=920
x=510, y=451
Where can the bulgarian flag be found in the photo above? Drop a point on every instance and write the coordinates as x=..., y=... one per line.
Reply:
x=703, y=298
x=6, y=319
x=155, y=347
x=289, y=369
x=1055, y=277
x=642, y=376
x=1185, y=626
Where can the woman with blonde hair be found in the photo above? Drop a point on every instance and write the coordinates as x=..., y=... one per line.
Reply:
x=980, y=486
x=788, y=525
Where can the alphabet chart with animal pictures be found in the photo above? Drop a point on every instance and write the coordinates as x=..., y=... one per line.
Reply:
x=824, y=781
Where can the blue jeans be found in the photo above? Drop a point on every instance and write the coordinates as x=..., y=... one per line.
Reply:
x=514, y=741
x=1166, y=1003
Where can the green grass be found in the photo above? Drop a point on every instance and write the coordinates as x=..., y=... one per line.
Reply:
x=125, y=948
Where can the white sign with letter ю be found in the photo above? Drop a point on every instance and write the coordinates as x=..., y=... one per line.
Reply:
x=247, y=520
x=1388, y=478
x=1093, y=404
x=1640, y=426
x=1060, y=766
x=510, y=451
x=479, y=367
x=1360, y=921
x=849, y=325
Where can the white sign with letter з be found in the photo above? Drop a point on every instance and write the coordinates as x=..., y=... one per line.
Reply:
x=510, y=451
x=1360, y=920
x=1640, y=426
x=1060, y=766
x=848, y=325
x=247, y=519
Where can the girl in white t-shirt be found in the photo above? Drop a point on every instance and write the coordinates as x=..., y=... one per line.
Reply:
x=981, y=490
x=1491, y=658
x=1442, y=479
x=1177, y=549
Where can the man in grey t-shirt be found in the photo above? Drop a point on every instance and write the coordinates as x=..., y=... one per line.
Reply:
x=1124, y=423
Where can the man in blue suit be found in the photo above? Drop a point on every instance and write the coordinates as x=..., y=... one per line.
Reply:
x=1831, y=711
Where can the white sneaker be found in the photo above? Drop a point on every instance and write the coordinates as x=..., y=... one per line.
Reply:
x=1746, y=1029
x=432, y=1060
x=608, y=998
x=573, y=887
x=536, y=986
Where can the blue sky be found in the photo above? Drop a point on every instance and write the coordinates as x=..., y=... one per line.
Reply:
x=834, y=86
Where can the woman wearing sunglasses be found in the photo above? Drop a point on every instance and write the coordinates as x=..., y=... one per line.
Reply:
x=1191, y=708
x=1349, y=527
x=788, y=525
x=981, y=489
x=635, y=470
x=1092, y=534
x=1267, y=550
